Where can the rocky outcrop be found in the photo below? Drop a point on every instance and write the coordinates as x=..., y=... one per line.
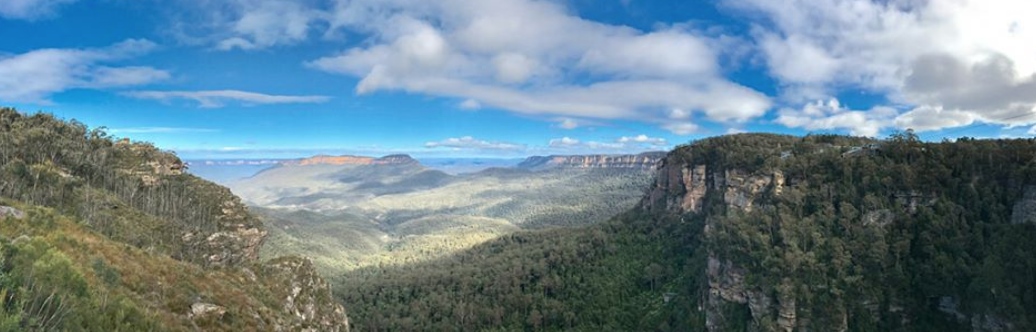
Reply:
x=726, y=285
x=304, y=296
x=646, y=161
x=691, y=183
x=880, y=218
x=397, y=159
x=7, y=211
x=1025, y=209
x=235, y=240
x=202, y=310
x=694, y=184
x=950, y=306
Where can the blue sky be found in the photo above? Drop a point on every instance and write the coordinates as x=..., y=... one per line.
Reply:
x=510, y=78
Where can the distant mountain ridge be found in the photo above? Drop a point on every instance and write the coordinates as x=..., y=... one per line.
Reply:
x=646, y=160
x=396, y=159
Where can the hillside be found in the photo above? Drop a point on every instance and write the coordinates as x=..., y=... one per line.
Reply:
x=350, y=216
x=106, y=235
x=757, y=232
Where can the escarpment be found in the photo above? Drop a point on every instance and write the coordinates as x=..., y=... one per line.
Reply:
x=183, y=248
x=646, y=161
x=830, y=233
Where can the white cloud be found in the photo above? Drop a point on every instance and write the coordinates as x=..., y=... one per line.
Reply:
x=563, y=142
x=831, y=115
x=259, y=24
x=926, y=118
x=971, y=60
x=471, y=143
x=218, y=98
x=35, y=75
x=30, y=9
x=624, y=144
x=681, y=128
x=642, y=139
x=534, y=57
x=470, y=104
x=568, y=123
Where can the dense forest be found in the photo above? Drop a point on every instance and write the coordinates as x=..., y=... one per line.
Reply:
x=99, y=234
x=819, y=233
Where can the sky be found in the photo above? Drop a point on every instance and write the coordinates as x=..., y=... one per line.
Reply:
x=512, y=78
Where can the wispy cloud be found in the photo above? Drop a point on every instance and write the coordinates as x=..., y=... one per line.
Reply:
x=219, y=98
x=30, y=9
x=624, y=144
x=36, y=75
x=471, y=143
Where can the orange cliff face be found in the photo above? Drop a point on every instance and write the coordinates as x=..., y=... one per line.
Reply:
x=352, y=160
x=334, y=160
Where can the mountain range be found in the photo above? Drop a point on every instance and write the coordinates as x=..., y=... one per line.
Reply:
x=746, y=232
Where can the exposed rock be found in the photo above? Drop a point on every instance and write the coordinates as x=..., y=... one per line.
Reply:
x=727, y=285
x=647, y=160
x=1025, y=209
x=202, y=310
x=694, y=184
x=236, y=241
x=786, y=316
x=979, y=323
x=913, y=199
x=990, y=323
x=879, y=218
x=7, y=211
x=305, y=296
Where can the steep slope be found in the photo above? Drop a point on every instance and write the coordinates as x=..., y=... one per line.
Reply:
x=840, y=234
x=646, y=160
x=757, y=232
x=128, y=242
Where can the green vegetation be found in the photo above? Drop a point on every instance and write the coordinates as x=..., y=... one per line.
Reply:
x=344, y=218
x=104, y=235
x=862, y=235
x=615, y=276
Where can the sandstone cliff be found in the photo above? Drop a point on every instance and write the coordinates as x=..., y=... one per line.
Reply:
x=752, y=193
x=646, y=161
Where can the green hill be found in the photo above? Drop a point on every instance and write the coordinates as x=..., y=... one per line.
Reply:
x=106, y=235
x=756, y=232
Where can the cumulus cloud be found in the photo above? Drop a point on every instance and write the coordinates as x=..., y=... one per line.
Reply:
x=681, y=128
x=30, y=9
x=35, y=75
x=830, y=115
x=534, y=57
x=623, y=144
x=563, y=142
x=643, y=139
x=218, y=98
x=471, y=143
x=968, y=60
x=568, y=123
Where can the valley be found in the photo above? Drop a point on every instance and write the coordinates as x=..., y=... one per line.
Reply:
x=350, y=212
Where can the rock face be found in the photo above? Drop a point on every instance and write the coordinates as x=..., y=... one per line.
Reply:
x=398, y=159
x=1025, y=209
x=7, y=211
x=647, y=161
x=683, y=188
x=206, y=311
x=305, y=296
x=691, y=183
x=233, y=240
